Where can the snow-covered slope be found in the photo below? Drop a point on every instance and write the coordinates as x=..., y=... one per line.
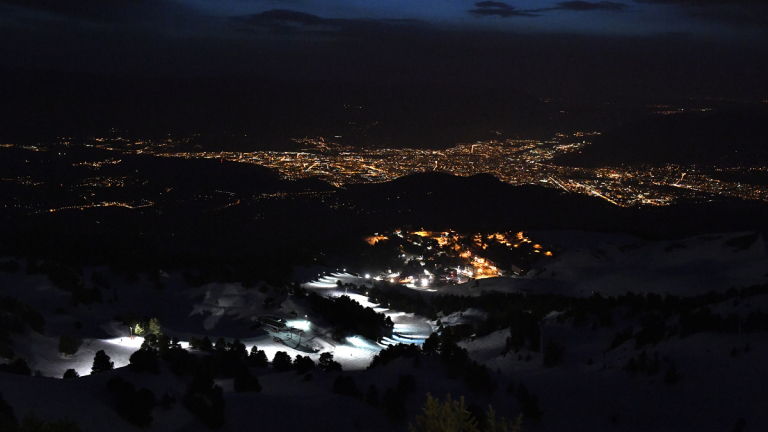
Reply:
x=589, y=391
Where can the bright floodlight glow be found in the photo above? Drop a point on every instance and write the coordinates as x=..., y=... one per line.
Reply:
x=299, y=324
x=356, y=341
x=127, y=341
x=367, y=276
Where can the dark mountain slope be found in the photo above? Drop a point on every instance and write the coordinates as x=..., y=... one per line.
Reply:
x=729, y=138
x=442, y=201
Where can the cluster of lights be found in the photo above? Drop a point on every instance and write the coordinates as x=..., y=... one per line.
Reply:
x=478, y=266
x=516, y=162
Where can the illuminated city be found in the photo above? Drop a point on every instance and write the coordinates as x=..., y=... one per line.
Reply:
x=517, y=162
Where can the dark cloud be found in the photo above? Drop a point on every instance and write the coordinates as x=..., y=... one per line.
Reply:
x=288, y=16
x=492, y=8
x=285, y=17
x=283, y=21
x=491, y=4
x=589, y=6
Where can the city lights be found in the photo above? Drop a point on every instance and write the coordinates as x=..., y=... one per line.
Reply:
x=516, y=162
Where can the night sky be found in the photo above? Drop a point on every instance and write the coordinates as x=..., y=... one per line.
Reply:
x=550, y=48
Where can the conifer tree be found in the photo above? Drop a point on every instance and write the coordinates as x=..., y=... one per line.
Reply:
x=450, y=416
x=101, y=362
x=394, y=406
x=431, y=344
x=282, y=361
x=453, y=416
x=372, y=397
x=221, y=345
x=154, y=327
x=7, y=416
x=32, y=423
x=67, y=345
x=205, y=344
x=245, y=381
x=258, y=358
